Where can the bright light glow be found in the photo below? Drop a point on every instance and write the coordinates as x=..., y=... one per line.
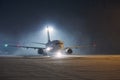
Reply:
x=58, y=54
x=49, y=28
x=6, y=45
x=48, y=48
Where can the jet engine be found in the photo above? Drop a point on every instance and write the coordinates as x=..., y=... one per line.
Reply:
x=40, y=51
x=68, y=51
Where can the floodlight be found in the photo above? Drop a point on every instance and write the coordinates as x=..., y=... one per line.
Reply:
x=6, y=45
x=49, y=28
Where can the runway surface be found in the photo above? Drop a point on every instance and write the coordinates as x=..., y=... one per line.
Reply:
x=106, y=67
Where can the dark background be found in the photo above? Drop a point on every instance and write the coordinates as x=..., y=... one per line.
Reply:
x=87, y=21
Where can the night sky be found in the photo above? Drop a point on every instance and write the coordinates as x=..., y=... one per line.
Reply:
x=85, y=21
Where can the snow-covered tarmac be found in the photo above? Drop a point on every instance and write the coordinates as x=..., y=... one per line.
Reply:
x=73, y=67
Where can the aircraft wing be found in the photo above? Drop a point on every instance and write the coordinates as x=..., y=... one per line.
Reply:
x=39, y=43
x=27, y=47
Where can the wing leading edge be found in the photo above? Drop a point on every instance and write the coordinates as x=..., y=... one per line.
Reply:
x=27, y=47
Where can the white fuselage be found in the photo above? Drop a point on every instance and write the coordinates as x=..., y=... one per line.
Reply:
x=54, y=46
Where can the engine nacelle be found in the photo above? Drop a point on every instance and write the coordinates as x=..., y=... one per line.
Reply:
x=68, y=51
x=40, y=51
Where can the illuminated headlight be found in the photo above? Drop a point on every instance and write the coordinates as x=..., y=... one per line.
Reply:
x=58, y=54
x=48, y=48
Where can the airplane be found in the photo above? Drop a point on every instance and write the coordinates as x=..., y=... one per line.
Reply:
x=52, y=47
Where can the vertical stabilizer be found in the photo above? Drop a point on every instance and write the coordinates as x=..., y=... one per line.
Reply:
x=48, y=34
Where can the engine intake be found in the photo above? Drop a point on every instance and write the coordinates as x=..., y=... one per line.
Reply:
x=68, y=51
x=40, y=51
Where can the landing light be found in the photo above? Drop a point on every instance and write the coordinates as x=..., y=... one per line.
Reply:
x=58, y=54
x=48, y=48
